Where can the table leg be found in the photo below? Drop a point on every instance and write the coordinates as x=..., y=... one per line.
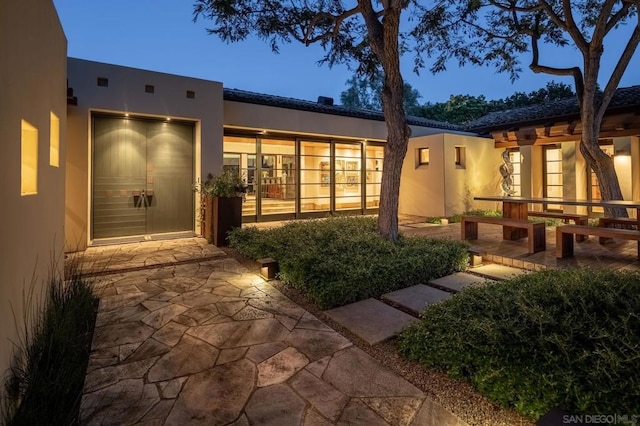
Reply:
x=514, y=211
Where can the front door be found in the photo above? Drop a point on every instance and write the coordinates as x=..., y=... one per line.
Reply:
x=142, y=177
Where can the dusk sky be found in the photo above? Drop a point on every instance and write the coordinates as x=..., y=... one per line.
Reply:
x=160, y=35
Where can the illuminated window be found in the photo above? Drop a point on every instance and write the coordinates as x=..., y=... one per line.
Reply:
x=423, y=156
x=54, y=141
x=29, y=160
x=553, y=175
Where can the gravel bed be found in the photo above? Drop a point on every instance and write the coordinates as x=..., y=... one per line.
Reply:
x=457, y=396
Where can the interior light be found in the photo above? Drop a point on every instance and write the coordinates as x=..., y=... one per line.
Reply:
x=126, y=114
x=168, y=118
x=622, y=153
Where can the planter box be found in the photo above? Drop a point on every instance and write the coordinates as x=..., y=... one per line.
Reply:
x=221, y=214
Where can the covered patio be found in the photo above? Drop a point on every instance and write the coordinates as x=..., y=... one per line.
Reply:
x=618, y=254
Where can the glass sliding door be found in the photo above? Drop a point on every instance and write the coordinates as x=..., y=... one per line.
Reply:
x=315, y=176
x=373, y=178
x=348, y=176
x=240, y=156
x=278, y=176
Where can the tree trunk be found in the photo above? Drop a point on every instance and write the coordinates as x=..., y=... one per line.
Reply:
x=383, y=39
x=597, y=160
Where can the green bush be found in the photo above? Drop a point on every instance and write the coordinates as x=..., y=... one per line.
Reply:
x=457, y=218
x=568, y=339
x=342, y=260
x=44, y=385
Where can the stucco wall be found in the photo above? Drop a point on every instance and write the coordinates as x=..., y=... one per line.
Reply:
x=239, y=114
x=32, y=85
x=126, y=94
x=443, y=188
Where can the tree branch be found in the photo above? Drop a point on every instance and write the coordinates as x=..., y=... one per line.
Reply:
x=571, y=27
x=337, y=23
x=619, y=15
x=600, y=28
x=618, y=71
x=575, y=72
x=513, y=8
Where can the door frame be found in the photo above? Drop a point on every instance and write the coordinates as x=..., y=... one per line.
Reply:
x=195, y=166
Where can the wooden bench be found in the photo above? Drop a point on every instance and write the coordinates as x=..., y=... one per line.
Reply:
x=578, y=219
x=535, y=230
x=564, y=237
x=604, y=222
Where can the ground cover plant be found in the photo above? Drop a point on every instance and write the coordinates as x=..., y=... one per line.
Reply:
x=561, y=338
x=342, y=260
x=44, y=386
x=456, y=218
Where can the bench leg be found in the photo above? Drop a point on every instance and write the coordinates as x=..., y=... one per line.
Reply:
x=583, y=222
x=537, y=239
x=564, y=244
x=604, y=240
x=469, y=230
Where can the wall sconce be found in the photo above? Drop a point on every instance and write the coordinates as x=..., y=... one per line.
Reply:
x=622, y=153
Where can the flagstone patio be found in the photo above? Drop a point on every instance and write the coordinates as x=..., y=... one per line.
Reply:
x=207, y=342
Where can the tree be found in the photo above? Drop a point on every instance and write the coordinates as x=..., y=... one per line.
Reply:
x=366, y=33
x=460, y=109
x=366, y=92
x=497, y=31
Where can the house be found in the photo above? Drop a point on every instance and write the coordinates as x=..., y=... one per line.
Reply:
x=543, y=142
x=98, y=153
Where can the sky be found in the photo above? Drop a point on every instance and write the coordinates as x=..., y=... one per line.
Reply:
x=160, y=35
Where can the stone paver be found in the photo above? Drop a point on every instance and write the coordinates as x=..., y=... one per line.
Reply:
x=371, y=320
x=417, y=297
x=498, y=272
x=459, y=281
x=207, y=343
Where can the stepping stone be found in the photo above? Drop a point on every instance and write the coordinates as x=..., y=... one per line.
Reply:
x=417, y=297
x=459, y=281
x=498, y=272
x=371, y=320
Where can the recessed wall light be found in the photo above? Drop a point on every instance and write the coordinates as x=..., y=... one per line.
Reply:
x=168, y=118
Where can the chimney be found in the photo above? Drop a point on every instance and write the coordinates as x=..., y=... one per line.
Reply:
x=325, y=100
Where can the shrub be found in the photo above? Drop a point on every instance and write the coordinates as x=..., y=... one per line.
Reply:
x=44, y=386
x=568, y=339
x=457, y=218
x=342, y=260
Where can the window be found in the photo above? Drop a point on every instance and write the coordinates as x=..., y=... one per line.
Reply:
x=553, y=175
x=423, y=156
x=29, y=159
x=54, y=141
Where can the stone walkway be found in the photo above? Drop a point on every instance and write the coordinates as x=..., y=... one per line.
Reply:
x=207, y=343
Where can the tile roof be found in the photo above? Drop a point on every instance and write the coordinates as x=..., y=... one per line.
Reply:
x=624, y=98
x=243, y=96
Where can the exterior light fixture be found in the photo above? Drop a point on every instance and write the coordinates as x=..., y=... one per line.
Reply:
x=168, y=118
x=622, y=153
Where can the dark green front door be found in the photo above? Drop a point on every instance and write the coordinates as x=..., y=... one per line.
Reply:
x=142, y=177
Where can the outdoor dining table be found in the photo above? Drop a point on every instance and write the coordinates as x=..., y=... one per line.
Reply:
x=517, y=208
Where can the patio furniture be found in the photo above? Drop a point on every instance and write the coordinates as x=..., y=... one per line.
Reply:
x=564, y=237
x=606, y=221
x=578, y=219
x=534, y=230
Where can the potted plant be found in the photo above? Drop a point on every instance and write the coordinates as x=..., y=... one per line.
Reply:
x=221, y=205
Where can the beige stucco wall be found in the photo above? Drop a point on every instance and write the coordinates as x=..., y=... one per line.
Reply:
x=443, y=188
x=254, y=116
x=126, y=94
x=32, y=85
